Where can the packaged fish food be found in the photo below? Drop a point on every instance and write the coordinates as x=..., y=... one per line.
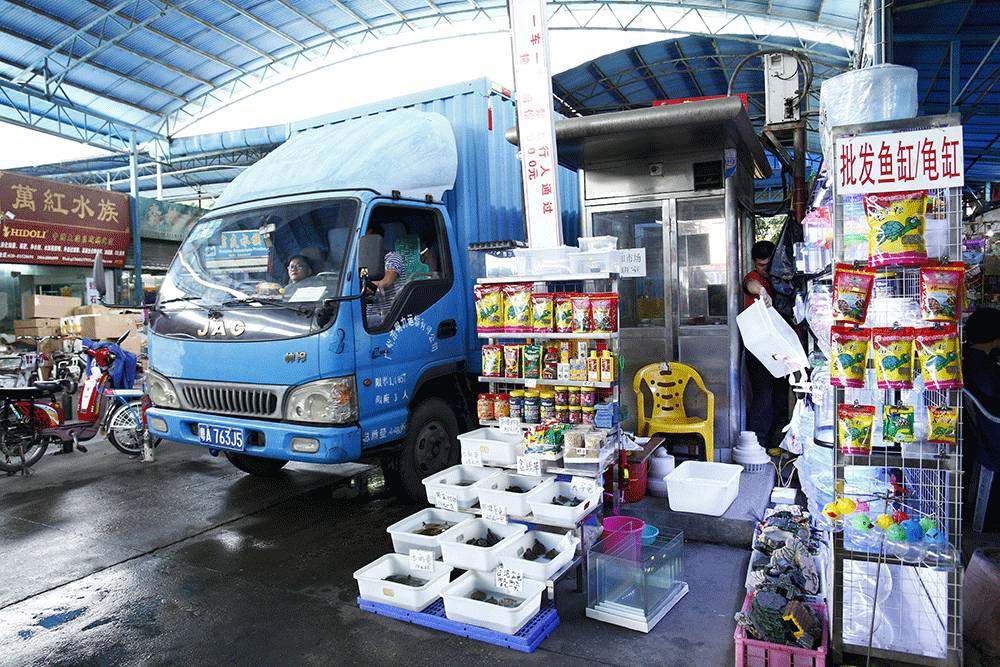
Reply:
x=854, y=428
x=941, y=292
x=852, y=292
x=564, y=313
x=489, y=307
x=512, y=361
x=531, y=361
x=848, y=356
x=604, y=312
x=939, y=357
x=896, y=224
x=942, y=425
x=897, y=423
x=492, y=361
x=543, y=316
x=892, y=351
x=581, y=313
x=517, y=307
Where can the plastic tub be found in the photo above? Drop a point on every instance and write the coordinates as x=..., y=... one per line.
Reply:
x=595, y=261
x=636, y=489
x=458, y=482
x=544, y=512
x=374, y=588
x=493, y=491
x=768, y=337
x=756, y=653
x=404, y=538
x=541, y=261
x=454, y=550
x=495, y=446
x=703, y=488
x=623, y=534
x=649, y=534
x=458, y=606
x=512, y=555
x=592, y=243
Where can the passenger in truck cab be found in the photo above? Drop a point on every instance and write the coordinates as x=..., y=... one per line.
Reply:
x=389, y=286
x=298, y=268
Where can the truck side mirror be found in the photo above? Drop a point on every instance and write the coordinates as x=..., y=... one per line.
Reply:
x=99, y=284
x=371, y=257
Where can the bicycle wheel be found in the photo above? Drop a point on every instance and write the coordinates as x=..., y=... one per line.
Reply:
x=20, y=448
x=125, y=428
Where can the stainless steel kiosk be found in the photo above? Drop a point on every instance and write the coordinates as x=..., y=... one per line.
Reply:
x=678, y=181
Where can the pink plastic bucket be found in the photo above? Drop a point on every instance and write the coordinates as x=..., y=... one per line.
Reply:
x=623, y=534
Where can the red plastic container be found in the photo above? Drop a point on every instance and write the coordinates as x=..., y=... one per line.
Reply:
x=755, y=653
x=623, y=535
x=636, y=489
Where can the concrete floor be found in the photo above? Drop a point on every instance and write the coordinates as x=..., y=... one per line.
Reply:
x=108, y=561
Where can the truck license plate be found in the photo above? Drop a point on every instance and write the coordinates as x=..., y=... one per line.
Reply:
x=223, y=437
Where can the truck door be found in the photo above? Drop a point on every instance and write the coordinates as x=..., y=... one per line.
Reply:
x=413, y=324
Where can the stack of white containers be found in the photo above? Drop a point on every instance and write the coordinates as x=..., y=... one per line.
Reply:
x=749, y=454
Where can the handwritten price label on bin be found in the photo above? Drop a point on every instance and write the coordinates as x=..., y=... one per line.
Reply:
x=472, y=456
x=422, y=560
x=495, y=512
x=509, y=580
x=583, y=486
x=447, y=501
x=529, y=465
x=510, y=425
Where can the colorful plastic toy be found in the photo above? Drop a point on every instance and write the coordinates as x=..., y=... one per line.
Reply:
x=883, y=521
x=896, y=533
x=935, y=536
x=862, y=506
x=900, y=516
x=927, y=524
x=862, y=523
x=914, y=532
x=830, y=511
x=846, y=506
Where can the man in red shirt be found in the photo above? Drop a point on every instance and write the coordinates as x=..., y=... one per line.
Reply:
x=757, y=283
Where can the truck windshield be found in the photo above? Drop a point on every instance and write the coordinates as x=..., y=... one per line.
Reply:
x=293, y=254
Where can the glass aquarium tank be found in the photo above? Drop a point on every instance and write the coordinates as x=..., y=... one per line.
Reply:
x=632, y=584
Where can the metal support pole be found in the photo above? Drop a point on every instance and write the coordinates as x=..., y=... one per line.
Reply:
x=799, y=170
x=734, y=271
x=954, y=72
x=159, y=181
x=133, y=183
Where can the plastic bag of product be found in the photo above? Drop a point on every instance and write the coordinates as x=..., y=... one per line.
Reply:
x=896, y=226
x=492, y=361
x=604, y=312
x=489, y=307
x=531, y=361
x=512, y=361
x=550, y=362
x=581, y=313
x=942, y=425
x=848, y=354
x=564, y=313
x=939, y=356
x=852, y=292
x=854, y=428
x=543, y=316
x=517, y=307
x=892, y=351
x=898, y=423
x=941, y=292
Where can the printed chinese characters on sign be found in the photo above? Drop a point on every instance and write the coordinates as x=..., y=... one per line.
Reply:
x=917, y=160
x=59, y=223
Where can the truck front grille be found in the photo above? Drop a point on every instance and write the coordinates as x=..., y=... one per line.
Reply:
x=231, y=398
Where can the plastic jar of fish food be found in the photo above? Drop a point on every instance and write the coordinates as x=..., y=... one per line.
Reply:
x=501, y=406
x=562, y=414
x=575, y=414
x=588, y=397
x=562, y=395
x=532, y=407
x=573, y=397
x=484, y=407
x=546, y=405
x=587, y=415
x=517, y=404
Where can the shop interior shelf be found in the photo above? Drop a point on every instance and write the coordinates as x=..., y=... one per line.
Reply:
x=524, y=425
x=564, y=278
x=548, y=335
x=547, y=383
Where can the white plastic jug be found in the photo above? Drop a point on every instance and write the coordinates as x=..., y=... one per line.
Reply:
x=769, y=338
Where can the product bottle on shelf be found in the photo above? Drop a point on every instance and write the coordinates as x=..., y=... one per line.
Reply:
x=593, y=368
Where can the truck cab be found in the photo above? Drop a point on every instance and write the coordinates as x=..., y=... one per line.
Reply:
x=321, y=311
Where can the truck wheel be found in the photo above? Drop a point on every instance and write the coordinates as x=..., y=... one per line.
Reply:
x=258, y=466
x=431, y=445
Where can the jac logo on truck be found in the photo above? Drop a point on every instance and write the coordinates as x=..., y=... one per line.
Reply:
x=221, y=328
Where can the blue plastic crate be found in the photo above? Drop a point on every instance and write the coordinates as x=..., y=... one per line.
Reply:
x=526, y=640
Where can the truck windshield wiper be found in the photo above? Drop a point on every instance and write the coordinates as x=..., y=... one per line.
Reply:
x=266, y=301
x=190, y=298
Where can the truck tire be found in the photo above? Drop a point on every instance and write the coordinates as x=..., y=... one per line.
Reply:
x=258, y=466
x=431, y=445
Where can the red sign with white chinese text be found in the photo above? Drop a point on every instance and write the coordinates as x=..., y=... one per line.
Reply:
x=682, y=100
x=902, y=161
x=59, y=223
x=535, y=122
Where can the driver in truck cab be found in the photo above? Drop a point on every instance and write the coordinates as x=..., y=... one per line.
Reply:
x=384, y=291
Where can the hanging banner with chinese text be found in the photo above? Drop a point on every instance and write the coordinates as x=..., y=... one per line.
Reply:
x=59, y=223
x=166, y=220
x=902, y=161
x=535, y=122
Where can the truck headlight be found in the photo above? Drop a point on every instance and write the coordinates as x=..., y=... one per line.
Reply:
x=332, y=401
x=161, y=391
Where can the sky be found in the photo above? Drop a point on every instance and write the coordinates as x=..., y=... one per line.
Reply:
x=369, y=78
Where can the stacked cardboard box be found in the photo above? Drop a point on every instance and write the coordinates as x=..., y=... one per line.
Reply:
x=42, y=314
x=37, y=327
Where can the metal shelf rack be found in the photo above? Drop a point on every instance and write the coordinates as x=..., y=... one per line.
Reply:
x=919, y=619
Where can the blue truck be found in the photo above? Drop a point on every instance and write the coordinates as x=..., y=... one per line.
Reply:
x=323, y=311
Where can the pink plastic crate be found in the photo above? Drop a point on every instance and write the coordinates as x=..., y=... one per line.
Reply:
x=755, y=653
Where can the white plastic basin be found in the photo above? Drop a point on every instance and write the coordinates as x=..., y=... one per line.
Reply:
x=458, y=482
x=494, y=446
x=545, y=512
x=769, y=338
x=512, y=556
x=374, y=588
x=703, y=488
x=493, y=491
x=455, y=551
x=405, y=538
x=458, y=606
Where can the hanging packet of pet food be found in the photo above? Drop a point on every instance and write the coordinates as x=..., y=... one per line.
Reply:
x=897, y=423
x=543, y=314
x=492, y=361
x=517, y=307
x=581, y=313
x=896, y=224
x=942, y=425
x=939, y=357
x=512, y=361
x=854, y=428
x=531, y=361
x=852, y=291
x=604, y=312
x=489, y=307
x=848, y=354
x=941, y=292
x=892, y=352
x=564, y=313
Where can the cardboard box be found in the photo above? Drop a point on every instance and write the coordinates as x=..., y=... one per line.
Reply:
x=40, y=305
x=92, y=309
x=135, y=343
x=96, y=327
x=40, y=327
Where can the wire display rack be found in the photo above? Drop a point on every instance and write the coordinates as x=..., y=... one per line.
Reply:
x=897, y=601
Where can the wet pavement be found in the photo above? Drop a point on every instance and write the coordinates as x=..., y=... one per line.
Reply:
x=108, y=561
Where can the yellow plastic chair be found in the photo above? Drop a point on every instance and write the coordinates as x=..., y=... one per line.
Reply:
x=666, y=384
